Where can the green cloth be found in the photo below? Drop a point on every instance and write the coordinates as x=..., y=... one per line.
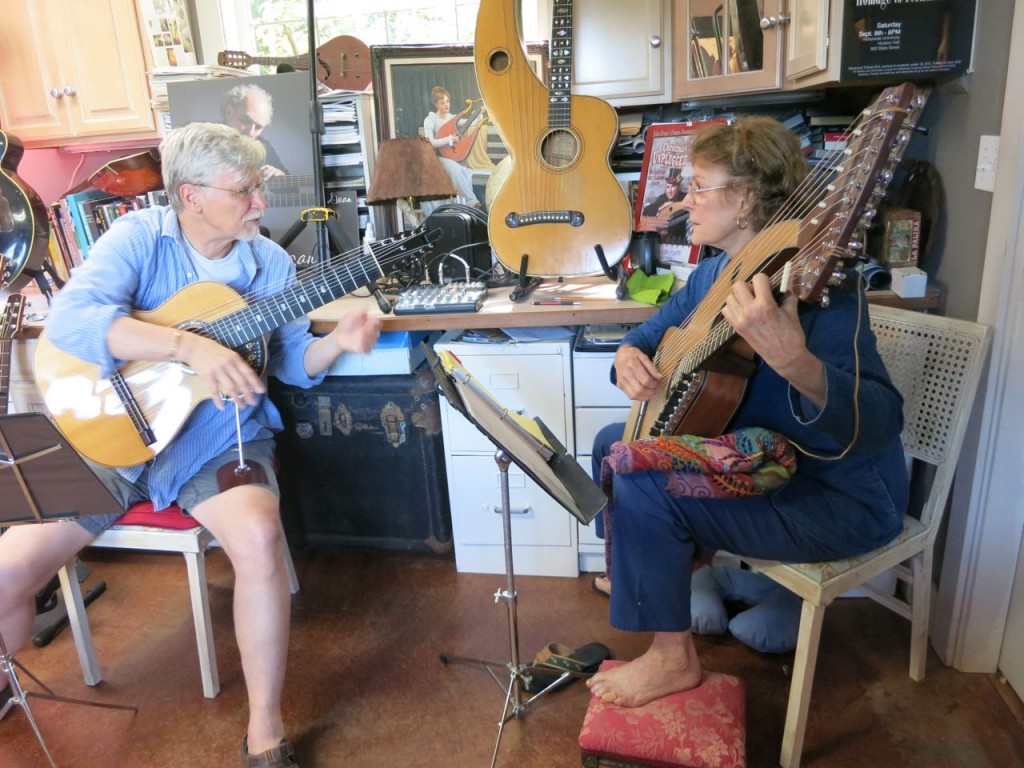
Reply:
x=650, y=289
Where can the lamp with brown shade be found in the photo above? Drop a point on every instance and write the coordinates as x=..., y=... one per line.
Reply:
x=407, y=169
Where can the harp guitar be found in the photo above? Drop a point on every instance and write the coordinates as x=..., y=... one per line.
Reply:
x=561, y=206
x=706, y=366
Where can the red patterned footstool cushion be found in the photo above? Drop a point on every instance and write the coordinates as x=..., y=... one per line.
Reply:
x=704, y=727
x=142, y=513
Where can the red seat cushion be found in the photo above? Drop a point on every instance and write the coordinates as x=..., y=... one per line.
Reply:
x=704, y=727
x=142, y=513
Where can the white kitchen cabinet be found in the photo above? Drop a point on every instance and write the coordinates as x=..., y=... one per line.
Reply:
x=623, y=51
x=532, y=379
x=72, y=70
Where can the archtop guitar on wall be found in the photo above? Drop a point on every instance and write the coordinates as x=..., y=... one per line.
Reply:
x=561, y=206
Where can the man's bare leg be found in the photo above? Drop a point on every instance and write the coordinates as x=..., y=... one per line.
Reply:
x=670, y=665
x=247, y=524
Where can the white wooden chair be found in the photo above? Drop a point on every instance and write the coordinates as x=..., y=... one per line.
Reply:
x=183, y=535
x=936, y=363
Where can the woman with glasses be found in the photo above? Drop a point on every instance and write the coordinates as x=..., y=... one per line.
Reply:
x=816, y=373
x=208, y=234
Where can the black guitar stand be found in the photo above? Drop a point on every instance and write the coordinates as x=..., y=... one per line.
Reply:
x=616, y=274
x=525, y=284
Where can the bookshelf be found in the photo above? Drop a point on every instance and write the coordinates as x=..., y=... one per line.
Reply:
x=349, y=148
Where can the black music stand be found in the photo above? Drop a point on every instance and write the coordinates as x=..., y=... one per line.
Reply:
x=533, y=448
x=43, y=480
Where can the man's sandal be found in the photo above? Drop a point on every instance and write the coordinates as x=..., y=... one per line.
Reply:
x=281, y=756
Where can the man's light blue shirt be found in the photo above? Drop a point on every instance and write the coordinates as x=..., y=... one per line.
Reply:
x=137, y=265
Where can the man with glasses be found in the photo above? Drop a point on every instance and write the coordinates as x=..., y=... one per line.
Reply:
x=209, y=232
x=249, y=109
x=667, y=208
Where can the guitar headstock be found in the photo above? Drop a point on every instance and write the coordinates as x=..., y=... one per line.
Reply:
x=239, y=59
x=10, y=323
x=862, y=175
x=401, y=251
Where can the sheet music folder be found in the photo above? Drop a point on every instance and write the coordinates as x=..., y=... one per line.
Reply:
x=42, y=478
x=527, y=442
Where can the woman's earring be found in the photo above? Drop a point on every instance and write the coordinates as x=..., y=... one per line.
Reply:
x=741, y=222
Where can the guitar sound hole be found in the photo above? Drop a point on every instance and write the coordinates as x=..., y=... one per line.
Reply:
x=499, y=61
x=559, y=149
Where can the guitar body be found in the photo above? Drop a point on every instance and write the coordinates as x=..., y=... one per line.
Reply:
x=342, y=63
x=560, y=201
x=165, y=392
x=24, y=231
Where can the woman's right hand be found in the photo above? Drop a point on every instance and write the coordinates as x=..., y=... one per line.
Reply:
x=635, y=373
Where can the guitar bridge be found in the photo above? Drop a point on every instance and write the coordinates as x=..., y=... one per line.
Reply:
x=572, y=218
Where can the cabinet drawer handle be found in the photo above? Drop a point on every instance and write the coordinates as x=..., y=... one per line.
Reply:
x=496, y=509
x=57, y=93
x=655, y=41
x=69, y=91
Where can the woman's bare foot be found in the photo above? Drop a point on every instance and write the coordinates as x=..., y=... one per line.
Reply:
x=602, y=585
x=670, y=665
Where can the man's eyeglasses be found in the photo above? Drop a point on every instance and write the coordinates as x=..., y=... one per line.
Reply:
x=245, y=193
x=697, y=191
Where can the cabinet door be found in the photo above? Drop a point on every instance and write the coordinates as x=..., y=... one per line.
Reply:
x=28, y=71
x=721, y=48
x=72, y=68
x=806, y=38
x=104, y=53
x=623, y=51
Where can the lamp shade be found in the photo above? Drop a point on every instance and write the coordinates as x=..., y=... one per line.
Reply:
x=408, y=167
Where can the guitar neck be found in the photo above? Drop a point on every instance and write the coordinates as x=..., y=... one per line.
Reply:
x=299, y=62
x=294, y=191
x=5, y=374
x=560, y=78
x=264, y=315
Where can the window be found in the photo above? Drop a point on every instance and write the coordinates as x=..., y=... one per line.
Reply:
x=279, y=27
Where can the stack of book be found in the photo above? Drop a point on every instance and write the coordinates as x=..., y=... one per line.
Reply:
x=78, y=219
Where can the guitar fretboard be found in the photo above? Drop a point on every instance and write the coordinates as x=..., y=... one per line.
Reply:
x=559, y=109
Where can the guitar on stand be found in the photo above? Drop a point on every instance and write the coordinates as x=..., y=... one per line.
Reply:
x=706, y=366
x=342, y=63
x=561, y=210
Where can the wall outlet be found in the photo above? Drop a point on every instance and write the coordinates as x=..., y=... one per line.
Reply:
x=988, y=158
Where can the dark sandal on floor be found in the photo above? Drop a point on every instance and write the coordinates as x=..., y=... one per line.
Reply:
x=281, y=756
x=561, y=659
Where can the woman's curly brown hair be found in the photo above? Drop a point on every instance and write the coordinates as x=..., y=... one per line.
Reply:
x=761, y=155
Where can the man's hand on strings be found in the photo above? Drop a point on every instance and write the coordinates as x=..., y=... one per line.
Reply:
x=635, y=373
x=230, y=378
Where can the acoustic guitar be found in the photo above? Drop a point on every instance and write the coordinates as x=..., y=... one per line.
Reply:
x=130, y=417
x=24, y=231
x=10, y=324
x=560, y=206
x=342, y=63
x=705, y=364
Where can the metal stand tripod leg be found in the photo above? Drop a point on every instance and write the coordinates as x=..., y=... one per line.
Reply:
x=19, y=696
x=518, y=674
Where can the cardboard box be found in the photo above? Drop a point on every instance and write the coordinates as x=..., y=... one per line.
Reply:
x=909, y=282
x=396, y=353
x=901, y=240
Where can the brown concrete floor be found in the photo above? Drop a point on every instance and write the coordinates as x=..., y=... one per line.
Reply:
x=366, y=688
